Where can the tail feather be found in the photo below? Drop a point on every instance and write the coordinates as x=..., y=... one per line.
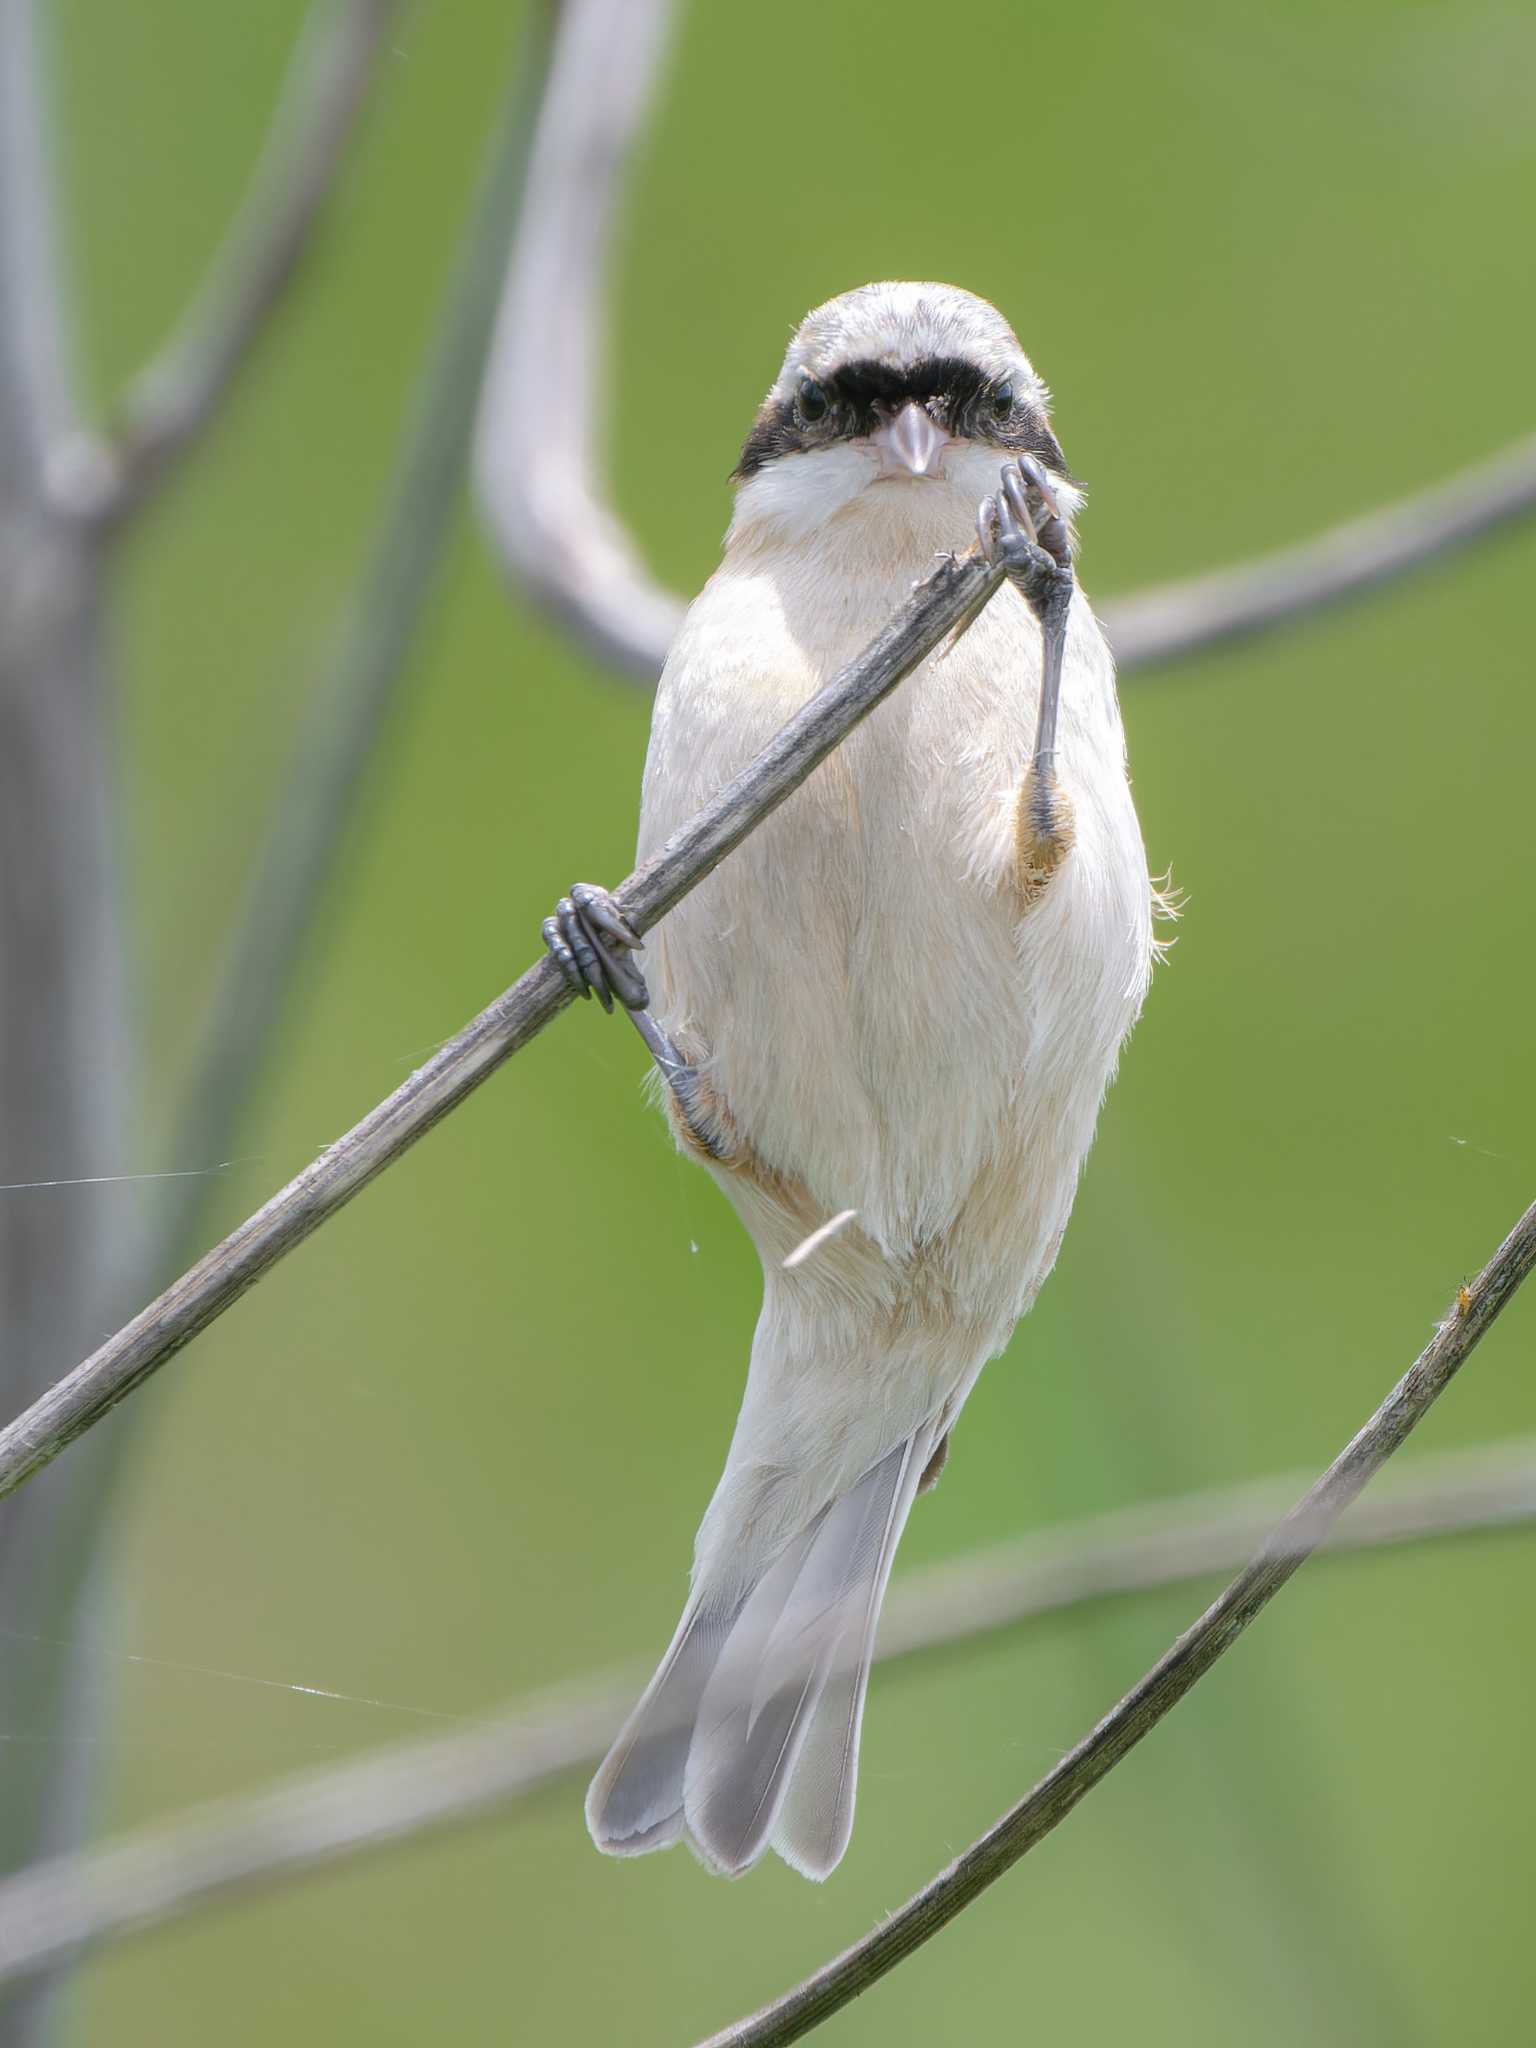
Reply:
x=750, y=1718
x=748, y=1736
x=815, y=1819
x=635, y=1802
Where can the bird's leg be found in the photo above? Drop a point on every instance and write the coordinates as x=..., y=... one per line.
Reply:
x=1022, y=530
x=592, y=945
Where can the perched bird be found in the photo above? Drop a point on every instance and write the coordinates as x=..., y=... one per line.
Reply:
x=904, y=996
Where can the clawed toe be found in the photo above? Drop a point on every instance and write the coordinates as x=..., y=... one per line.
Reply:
x=1007, y=539
x=596, y=906
x=1006, y=526
x=590, y=943
x=1015, y=504
x=1023, y=533
x=1026, y=477
x=1028, y=496
x=563, y=957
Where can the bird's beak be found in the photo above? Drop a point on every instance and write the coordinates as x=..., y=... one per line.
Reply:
x=910, y=444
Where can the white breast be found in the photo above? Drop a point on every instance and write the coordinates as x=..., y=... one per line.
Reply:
x=857, y=978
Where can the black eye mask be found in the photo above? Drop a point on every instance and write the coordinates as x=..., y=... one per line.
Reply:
x=849, y=403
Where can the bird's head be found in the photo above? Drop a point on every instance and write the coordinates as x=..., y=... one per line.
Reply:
x=905, y=398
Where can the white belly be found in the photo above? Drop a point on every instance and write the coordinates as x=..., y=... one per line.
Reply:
x=857, y=979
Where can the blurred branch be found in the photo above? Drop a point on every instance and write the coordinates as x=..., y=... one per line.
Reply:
x=180, y=391
x=536, y=447
x=36, y=403
x=314, y=1819
x=65, y=1042
x=535, y=453
x=1173, y=620
x=947, y=599
x=1175, y=1673
x=304, y=1823
x=351, y=707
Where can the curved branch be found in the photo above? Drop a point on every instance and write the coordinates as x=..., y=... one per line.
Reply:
x=535, y=455
x=1173, y=620
x=536, y=447
x=1175, y=1673
x=308, y=1822
x=946, y=601
x=180, y=391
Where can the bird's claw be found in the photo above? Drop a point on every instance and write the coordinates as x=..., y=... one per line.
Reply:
x=591, y=943
x=1027, y=491
x=1022, y=532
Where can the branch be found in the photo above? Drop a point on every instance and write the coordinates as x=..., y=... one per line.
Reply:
x=1147, y=1549
x=36, y=403
x=536, y=459
x=947, y=599
x=1173, y=620
x=180, y=391
x=65, y=1049
x=535, y=456
x=314, y=1819
x=1175, y=1673
x=352, y=705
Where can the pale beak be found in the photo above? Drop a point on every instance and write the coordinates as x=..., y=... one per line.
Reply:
x=910, y=444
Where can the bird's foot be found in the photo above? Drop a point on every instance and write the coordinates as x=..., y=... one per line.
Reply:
x=1022, y=532
x=591, y=944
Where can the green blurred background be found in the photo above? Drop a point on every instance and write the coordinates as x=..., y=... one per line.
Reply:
x=1275, y=263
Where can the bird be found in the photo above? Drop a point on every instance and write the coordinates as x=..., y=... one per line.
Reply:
x=904, y=996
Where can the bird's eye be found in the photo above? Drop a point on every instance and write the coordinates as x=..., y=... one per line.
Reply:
x=813, y=400
x=1002, y=401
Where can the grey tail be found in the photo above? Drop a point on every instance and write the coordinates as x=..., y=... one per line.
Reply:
x=748, y=1736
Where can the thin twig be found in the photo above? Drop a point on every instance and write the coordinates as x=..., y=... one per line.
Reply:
x=535, y=452
x=1174, y=620
x=180, y=391
x=946, y=599
x=342, y=727
x=1176, y=1671
x=308, y=1822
